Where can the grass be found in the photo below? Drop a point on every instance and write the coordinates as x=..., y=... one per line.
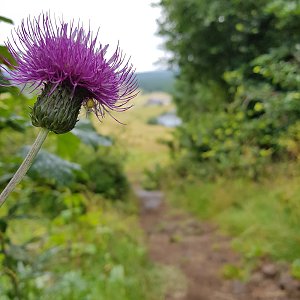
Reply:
x=117, y=267
x=263, y=217
x=139, y=140
x=96, y=255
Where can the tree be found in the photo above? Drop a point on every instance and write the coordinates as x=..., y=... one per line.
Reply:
x=239, y=78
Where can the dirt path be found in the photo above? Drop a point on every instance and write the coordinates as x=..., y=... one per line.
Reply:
x=196, y=252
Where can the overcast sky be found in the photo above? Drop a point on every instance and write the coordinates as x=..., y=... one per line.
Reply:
x=131, y=22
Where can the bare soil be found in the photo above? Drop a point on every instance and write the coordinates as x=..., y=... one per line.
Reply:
x=197, y=252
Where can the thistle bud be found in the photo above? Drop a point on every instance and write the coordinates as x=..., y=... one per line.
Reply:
x=57, y=110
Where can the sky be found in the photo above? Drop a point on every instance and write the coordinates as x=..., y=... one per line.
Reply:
x=132, y=23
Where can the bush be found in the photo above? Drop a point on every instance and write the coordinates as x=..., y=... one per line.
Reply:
x=237, y=90
x=106, y=177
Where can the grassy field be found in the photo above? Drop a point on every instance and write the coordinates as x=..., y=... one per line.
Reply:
x=263, y=217
x=140, y=141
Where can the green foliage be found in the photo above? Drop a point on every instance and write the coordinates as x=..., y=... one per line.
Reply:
x=5, y=57
x=86, y=132
x=59, y=240
x=67, y=145
x=51, y=168
x=10, y=113
x=230, y=271
x=296, y=268
x=246, y=138
x=238, y=86
x=106, y=176
x=91, y=254
x=211, y=37
x=6, y=20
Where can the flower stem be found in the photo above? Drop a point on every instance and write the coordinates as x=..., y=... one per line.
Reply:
x=24, y=167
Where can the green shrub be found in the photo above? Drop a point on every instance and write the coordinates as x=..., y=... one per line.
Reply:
x=237, y=90
x=106, y=176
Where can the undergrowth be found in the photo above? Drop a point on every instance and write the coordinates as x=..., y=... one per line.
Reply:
x=263, y=216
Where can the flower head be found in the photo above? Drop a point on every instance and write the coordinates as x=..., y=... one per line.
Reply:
x=73, y=69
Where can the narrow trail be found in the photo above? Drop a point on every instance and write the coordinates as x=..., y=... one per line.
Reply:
x=197, y=252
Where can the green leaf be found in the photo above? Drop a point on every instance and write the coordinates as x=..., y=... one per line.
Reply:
x=6, y=20
x=14, y=122
x=86, y=132
x=52, y=168
x=67, y=145
x=4, y=53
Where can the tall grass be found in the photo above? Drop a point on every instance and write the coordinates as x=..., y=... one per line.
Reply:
x=263, y=217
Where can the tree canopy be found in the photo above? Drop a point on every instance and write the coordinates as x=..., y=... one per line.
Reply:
x=239, y=77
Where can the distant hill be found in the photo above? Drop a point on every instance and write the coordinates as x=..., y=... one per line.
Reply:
x=156, y=81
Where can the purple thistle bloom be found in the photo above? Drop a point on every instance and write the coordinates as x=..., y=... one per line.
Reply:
x=61, y=56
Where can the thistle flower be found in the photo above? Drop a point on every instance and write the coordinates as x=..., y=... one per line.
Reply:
x=71, y=67
x=73, y=71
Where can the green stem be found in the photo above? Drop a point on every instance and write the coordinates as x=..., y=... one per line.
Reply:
x=24, y=167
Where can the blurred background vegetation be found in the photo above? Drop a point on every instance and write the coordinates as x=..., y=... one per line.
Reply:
x=71, y=231
x=237, y=91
